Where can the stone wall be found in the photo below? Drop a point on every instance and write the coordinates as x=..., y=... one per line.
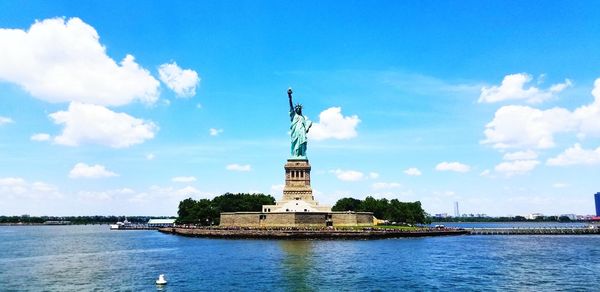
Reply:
x=242, y=219
x=296, y=219
x=343, y=219
x=364, y=218
x=278, y=219
x=311, y=219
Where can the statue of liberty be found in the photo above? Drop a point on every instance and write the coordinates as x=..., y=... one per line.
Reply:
x=299, y=128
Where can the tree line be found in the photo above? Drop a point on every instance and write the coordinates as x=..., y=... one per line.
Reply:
x=207, y=212
x=384, y=209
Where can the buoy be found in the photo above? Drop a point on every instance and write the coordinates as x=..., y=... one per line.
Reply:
x=161, y=280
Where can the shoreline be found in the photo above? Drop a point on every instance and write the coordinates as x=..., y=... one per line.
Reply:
x=306, y=233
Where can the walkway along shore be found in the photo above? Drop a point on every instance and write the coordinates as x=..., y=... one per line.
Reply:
x=533, y=231
x=366, y=233
x=291, y=233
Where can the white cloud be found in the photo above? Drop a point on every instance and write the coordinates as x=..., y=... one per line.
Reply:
x=485, y=173
x=513, y=88
x=165, y=192
x=521, y=155
x=187, y=191
x=11, y=181
x=576, y=156
x=413, y=171
x=16, y=187
x=93, y=124
x=5, y=120
x=238, y=167
x=526, y=127
x=167, y=195
x=385, y=185
x=40, y=137
x=588, y=116
x=199, y=106
x=347, y=175
x=150, y=156
x=183, y=179
x=215, y=132
x=373, y=175
x=182, y=81
x=60, y=60
x=82, y=170
x=333, y=125
x=452, y=166
x=516, y=167
x=107, y=195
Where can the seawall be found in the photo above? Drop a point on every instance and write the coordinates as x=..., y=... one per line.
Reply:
x=533, y=231
x=307, y=233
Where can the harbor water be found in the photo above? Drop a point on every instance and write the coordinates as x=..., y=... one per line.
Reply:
x=86, y=258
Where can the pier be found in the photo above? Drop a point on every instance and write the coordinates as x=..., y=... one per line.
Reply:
x=533, y=231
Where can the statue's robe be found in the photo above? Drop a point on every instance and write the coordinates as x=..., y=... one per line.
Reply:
x=299, y=128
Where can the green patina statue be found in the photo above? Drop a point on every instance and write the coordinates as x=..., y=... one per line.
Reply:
x=299, y=128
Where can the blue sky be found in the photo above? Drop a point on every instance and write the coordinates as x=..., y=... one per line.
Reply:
x=128, y=108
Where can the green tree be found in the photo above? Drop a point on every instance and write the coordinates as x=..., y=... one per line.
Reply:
x=378, y=207
x=187, y=211
x=346, y=204
x=394, y=210
x=206, y=211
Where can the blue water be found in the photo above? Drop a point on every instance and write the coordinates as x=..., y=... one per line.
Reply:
x=84, y=258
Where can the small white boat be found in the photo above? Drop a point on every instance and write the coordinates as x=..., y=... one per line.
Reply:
x=120, y=225
x=161, y=280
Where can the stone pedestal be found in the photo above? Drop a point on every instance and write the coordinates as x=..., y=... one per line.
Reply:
x=297, y=181
x=297, y=207
x=297, y=193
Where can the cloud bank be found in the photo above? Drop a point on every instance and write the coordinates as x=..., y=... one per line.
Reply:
x=333, y=125
x=82, y=170
x=94, y=124
x=59, y=60
x=182, y=81
x=513, y=87
x=452, y=166
x=526, y=127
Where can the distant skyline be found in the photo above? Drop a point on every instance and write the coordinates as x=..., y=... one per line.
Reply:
x=126, y=108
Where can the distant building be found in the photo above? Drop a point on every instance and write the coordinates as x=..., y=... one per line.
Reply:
x=161, y=223
x=441, y=215
x=534, y=216
x=456, y=212
x=597, y=199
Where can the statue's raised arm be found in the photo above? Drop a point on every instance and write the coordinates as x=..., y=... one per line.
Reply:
x=290, y=99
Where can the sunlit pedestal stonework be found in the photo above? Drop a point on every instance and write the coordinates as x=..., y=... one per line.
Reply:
x=297, y=192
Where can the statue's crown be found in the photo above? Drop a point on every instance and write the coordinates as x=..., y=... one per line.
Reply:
x=298, y=106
